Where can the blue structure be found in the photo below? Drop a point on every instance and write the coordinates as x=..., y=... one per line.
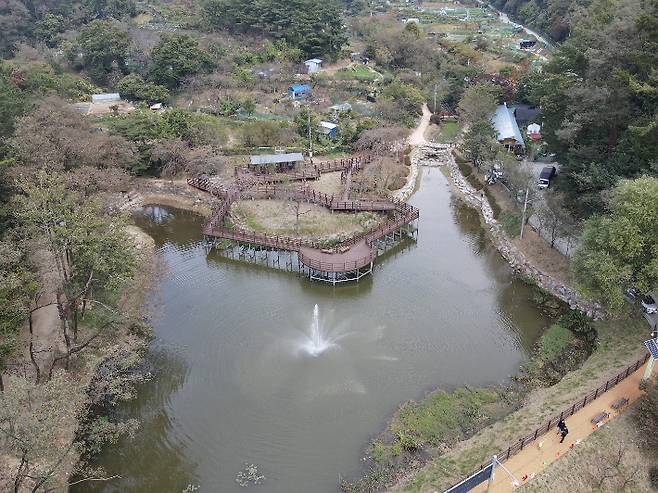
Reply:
x=328, y=129
x=300, y=91
x=507, y=130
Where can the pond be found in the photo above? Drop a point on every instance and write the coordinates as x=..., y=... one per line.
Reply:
x=249, y=371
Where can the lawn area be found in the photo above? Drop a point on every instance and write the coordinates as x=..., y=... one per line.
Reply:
x=357, y=72
x=278, y=217
x=449, y=132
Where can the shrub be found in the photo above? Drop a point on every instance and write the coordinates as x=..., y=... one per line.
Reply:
x=134, y=87
x=646, y=416
x=578, y=323
x=653, y=477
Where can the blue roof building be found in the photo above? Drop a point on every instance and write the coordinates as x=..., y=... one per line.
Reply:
x=507, y=130
x=300, y=91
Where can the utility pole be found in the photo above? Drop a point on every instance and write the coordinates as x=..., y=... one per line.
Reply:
x=525, y=206
x=310, y=139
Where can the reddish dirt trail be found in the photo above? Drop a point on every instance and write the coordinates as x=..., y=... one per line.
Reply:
x=535, y=458
x=417, y=137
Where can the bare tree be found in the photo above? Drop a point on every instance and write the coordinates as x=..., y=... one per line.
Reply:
x=553, y=217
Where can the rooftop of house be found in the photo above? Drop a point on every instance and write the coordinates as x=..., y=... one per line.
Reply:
x=341, y=107
x=505, y=125
x=314, y=60
x=300, y=88
x=291, y=157
x=104, y=97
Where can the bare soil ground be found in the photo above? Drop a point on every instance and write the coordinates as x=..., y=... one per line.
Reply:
x=279, y=217
x=329, y=183
x=584, y=467
x=535, y=248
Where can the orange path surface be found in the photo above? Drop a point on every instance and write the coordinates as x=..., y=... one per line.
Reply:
x=539, y=454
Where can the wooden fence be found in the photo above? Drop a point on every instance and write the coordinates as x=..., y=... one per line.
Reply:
x=519, y=445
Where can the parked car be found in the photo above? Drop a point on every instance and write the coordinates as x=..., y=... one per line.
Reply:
x=649, y=304
x=545, y=177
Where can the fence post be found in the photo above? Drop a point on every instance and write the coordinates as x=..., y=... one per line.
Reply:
x=596, y=393
x=573, y=410
x=521, y=440
x=606, y=386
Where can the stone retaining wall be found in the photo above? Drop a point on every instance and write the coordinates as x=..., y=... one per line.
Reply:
x=518, y=261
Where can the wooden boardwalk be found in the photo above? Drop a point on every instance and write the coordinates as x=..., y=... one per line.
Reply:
x=323, y=263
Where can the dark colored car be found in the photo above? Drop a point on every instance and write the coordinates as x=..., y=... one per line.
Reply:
x=545, y=177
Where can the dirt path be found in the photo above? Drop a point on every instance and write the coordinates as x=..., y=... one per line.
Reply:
x=417, y=137
x=539, y=455
x=45, y=321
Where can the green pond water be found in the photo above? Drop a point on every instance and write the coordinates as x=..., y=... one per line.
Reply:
x=236, y=380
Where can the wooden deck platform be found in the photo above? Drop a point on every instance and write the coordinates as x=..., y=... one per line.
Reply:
x=348, y=261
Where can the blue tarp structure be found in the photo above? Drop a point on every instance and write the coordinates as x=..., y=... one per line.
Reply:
x=299, y=91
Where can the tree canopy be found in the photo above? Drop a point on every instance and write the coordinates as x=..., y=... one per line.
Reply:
x=175, y=57
x=599, y=100
x=315, y=26
x=619, y=250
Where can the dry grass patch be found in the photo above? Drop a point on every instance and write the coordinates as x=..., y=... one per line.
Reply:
x=279, y=217
x=608, y=461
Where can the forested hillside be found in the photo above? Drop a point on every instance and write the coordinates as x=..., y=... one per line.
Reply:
x=553, y=17
x=599, y=100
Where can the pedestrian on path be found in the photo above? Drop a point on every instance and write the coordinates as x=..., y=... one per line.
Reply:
x=561, y=424
x=564, y=432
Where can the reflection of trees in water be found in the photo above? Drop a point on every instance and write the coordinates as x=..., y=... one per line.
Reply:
x=516, y=310
x=467, y=220
x=169, y=224
x=520, y=314
x=155, y=460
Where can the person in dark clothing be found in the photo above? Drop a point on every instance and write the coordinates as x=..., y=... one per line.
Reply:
x=561, y=424
x=564, y=432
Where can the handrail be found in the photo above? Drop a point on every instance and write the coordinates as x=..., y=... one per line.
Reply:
x=517, y=446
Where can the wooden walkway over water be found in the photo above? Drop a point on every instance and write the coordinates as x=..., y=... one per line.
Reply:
x=349, y=261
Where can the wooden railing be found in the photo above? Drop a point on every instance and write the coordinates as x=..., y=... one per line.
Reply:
x=404, y=213
x=335, y=266
x=523, y=442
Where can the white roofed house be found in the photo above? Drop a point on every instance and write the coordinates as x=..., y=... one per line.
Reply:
x=313, y=65
x=328, y=129
x=507, y=130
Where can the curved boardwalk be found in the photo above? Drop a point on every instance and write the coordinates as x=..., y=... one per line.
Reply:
x=342, y=263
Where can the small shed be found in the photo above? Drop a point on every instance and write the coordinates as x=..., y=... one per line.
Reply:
x=106, y=97
x=534, y=131
x=341, y=108
x=328, y=129
x=300, y=91
x=313, y=65
x=507, y=130
x=275, y=162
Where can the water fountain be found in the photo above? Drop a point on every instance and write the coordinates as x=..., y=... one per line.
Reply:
x=317, y=342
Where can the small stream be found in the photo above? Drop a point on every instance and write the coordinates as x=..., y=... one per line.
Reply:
x=236, y=383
